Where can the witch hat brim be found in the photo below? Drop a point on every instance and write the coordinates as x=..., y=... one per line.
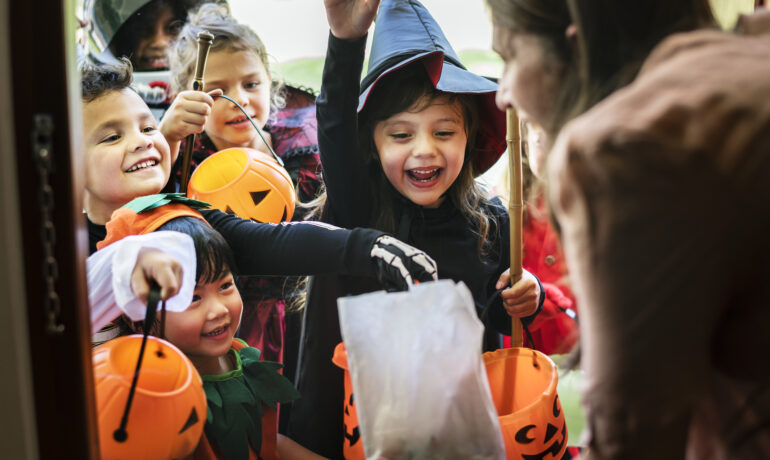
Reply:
x=406, y=33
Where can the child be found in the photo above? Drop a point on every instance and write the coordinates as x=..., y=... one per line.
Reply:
x=242, y=391
x=406, y=164
x=126, y=157
x=238, y=64
x=142, y=31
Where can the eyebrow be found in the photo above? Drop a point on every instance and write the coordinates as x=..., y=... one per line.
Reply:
x=115, y=124
x=406, y=122
x=252, y=76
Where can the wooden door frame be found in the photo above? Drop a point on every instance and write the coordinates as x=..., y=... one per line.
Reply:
x=44, y=81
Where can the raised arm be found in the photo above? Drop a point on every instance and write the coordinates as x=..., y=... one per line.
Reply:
x=343, y=165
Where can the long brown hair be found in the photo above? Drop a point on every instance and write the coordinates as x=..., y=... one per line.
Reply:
x=613, y=39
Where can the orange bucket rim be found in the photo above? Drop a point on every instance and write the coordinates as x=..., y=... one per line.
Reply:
x=123, y=382
x=505, y=353
x=215, y=157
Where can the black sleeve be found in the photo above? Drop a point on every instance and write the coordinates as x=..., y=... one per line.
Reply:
x=295, y=248
x=344, y=169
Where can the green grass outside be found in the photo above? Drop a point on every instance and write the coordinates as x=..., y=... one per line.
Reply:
x=306, y=72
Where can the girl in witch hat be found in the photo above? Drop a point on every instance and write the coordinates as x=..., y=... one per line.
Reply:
x=401, y=155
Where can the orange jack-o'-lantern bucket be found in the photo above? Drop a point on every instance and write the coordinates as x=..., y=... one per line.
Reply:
x=243, y=182
x=168, y=409
x=523, y=384
x=352, y=447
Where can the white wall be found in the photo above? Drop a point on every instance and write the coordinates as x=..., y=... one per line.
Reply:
x=294, y=29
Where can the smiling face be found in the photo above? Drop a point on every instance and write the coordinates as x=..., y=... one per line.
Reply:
x=151, y=52
x=205, y=331
x=422, y=150
x=126, y=156
x=243, y=77
x=531, y=79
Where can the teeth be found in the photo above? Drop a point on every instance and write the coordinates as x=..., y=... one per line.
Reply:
x=142, y=165
x=423, y=175
x=215, y=331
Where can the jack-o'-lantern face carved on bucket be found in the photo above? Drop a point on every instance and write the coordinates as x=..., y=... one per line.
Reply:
x=531, y=438
x=352, y=446
x=523, y=384
x=240, y=181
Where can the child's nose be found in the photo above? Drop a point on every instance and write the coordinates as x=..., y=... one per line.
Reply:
x=142, y=142
x=424, y=144
x=215, y=310
x=241, y=97
x=160, y=36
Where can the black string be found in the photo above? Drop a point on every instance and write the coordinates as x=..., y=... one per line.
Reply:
x=529, y=342
x=120, y=435
x=259, y=131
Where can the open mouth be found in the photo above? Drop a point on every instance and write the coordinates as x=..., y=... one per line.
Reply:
x=155, y=62
x=423, y=175
x=142, y=165
x=239, y=120
x=217, y=332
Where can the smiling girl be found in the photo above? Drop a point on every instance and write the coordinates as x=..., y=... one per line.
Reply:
x=400, y=152
x=238, y=67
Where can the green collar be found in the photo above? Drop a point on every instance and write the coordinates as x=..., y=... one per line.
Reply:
x=235, y=398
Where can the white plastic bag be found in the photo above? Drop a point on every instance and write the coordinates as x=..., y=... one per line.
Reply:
x=419, y=381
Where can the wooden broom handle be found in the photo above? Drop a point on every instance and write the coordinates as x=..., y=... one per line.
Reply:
x=205, y=40
x=515, y=210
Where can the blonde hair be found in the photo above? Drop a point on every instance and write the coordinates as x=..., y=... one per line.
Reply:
x=229, y=35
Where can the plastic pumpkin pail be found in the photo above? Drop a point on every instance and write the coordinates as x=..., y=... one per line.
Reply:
x=241, y=181
x=169, y=406
x=523, y=384
x=352, y=446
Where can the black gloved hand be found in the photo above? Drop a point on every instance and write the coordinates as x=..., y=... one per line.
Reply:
x=399, y=265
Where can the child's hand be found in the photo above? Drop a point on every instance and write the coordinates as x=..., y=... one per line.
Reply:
x=521, y=299
x=350, y=19
x=155, y=265
x=398, y=265
x=187, y=115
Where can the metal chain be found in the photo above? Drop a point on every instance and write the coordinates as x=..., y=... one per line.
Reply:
x=42, y=143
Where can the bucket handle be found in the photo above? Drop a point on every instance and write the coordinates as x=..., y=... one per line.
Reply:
x=485, y=313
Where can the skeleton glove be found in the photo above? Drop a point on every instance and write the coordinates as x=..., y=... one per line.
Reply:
x=399, y=265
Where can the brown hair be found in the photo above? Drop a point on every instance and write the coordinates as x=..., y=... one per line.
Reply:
x=614, y=38
x=547, y=20
x=229, y=35
x=96, y=80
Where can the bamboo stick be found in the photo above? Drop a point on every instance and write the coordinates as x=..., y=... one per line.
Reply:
x=515, y=210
